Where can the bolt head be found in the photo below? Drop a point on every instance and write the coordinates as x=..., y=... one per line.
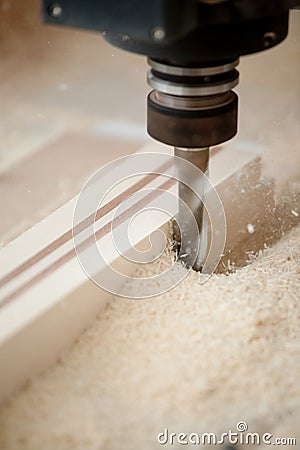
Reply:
x=158, y=33
x=269, y=39
x=55, y=10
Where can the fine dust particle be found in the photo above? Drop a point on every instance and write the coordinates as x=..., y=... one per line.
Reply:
x=295, y=213
x=250, y=228
x=63, y=87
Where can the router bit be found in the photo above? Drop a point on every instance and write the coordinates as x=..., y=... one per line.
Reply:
x=200, y=158
x=193, y=48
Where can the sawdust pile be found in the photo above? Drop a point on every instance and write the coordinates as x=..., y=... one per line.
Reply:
x=197, y=359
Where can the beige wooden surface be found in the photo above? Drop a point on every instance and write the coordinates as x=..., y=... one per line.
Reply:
x=65, y=92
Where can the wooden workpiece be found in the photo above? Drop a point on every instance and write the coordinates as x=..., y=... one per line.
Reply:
x=42, y=263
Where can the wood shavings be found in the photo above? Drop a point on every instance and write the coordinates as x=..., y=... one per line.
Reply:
x=198, y=358
x=250, y=228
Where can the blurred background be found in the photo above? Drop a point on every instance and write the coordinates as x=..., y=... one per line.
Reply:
x=70, y=103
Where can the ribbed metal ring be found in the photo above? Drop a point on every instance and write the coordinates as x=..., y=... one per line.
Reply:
x=192, y=71
x=169, y=87
x=190, y=103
